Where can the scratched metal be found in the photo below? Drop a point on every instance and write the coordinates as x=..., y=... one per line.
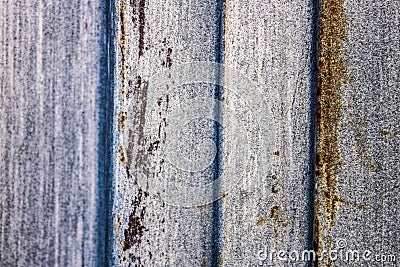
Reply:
x=358, y=198
x=272, y=209
x=49, y=65
x=154, y=36
x=271, y=43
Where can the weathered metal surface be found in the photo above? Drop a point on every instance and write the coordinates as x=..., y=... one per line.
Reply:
x=156, y=36
x=271, y=43
x=273, y=208
x=49, y=65
x=358, y=147
x=209, y=100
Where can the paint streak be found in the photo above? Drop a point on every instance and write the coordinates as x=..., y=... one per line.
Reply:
x=331, y=70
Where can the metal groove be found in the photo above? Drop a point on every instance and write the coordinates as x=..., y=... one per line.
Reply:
x=217, y=205
x=105, y=132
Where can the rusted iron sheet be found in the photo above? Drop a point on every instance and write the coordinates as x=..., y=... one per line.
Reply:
x=49, y=65
x=358, y=146
x=152, y=228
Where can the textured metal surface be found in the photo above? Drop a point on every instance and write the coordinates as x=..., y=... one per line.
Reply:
x=358, y=178
x=271, y=42
x=165, y=106
x=49, y=65
x=274, y=210
x=154, y=36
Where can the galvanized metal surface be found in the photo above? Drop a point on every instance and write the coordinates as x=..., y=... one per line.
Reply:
x=271, y=42
x=154, y=36
x=49, y=65
x=358, y=178
x=208, y=100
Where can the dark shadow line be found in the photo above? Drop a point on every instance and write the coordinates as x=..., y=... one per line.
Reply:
x=105, y=105
x=216, y=241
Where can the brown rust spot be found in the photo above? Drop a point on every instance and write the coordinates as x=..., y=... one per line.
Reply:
x=122, y=118
x=117, y=226
x=122, y=157
x=277, y=153
x=331, y=71
x=262, y=221
x=384, y=133
x=273, y=214
x=133, y=234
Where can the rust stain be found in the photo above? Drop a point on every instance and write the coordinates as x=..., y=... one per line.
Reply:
x=331, y=69
x=385, y=133
x=274, y=215
x=139, y=19
x=133, y=234
x=122, y=41
x=122, y=157
x=117, y=227
x=137, y=165
x=262, y=221
x=122, y=119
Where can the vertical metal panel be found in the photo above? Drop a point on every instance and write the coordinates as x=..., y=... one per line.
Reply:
x=156, y=36
x=207, y=100
x=49, y=68
x=358, y=188
x=270, y=42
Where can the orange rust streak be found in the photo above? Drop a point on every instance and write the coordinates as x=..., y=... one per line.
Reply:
x=331, y=70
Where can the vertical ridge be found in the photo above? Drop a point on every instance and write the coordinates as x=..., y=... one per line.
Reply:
x=217, y=204
x=105, y=132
